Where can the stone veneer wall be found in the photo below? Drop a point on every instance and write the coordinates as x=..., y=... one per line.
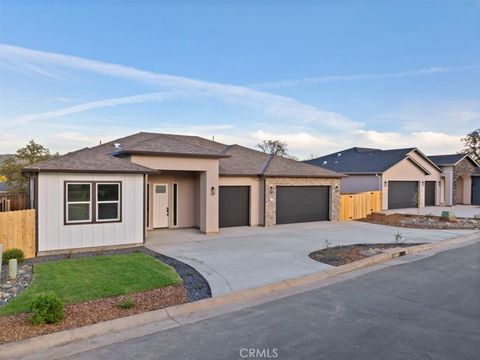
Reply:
x=271, y=198
x=465, y=169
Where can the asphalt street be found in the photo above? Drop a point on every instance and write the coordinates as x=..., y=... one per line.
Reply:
x=427, y=309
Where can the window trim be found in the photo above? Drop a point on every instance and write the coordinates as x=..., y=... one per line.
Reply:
x=93, y=202
x=175, y=204
x=118, y=202
x=78, y=202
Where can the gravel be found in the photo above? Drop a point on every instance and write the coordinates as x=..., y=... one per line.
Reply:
x=9, y=289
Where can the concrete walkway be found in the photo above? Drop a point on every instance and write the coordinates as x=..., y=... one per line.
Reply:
x=465, y=211
x=244, y=257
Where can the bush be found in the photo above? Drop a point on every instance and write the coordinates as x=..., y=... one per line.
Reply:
x=128, y=303
x=45, y=308
x=12, y=254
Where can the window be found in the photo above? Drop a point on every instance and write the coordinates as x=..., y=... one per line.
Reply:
x=79, y=202
x=108, y=201
x=81, y=206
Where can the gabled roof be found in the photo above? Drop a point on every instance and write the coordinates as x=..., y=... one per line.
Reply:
x=91, y=160
x=233, y=159
x=450, y=159
x=361, y=160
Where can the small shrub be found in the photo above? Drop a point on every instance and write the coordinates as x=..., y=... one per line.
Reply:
x=398, y=238
x=128, y=303
x=12, y=254
x=45, y=308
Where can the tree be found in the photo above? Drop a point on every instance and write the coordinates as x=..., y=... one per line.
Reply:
x=12, y=167
x=471, y=144
x=274, y=147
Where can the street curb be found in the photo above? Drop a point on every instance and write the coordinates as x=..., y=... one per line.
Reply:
x=192, y=312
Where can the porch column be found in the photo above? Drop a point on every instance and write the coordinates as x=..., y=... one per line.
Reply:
x=209, y=200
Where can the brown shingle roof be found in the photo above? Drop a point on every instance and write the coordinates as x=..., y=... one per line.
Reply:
x=169, y=144
x=91, y=160
x=233, y=159
x=280, y=166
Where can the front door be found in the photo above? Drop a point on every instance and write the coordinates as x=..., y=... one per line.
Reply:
x=160, y=206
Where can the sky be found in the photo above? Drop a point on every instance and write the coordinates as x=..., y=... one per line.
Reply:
x=320, y=75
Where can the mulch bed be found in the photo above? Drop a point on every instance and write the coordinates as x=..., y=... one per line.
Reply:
x=422, y=221
x=17, y=327
x=341, y=255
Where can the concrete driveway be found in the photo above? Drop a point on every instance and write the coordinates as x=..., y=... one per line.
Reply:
x=244, y=257
x=465, y=211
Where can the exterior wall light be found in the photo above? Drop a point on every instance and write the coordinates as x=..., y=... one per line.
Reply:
x=212, y=190
x=385, y=183
x=271, y=189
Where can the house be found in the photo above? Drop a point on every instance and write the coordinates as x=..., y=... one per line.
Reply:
x=404, y=176
x=459, y=179
x=116, y=193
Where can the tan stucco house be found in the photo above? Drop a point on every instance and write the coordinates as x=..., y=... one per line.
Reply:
x=116, y=193
x=460, y=180
x=404, y=176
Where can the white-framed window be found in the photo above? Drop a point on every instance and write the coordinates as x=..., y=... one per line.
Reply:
x=78, y=203
x=107, y=201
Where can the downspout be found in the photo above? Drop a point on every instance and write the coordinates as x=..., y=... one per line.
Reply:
x=379, y=182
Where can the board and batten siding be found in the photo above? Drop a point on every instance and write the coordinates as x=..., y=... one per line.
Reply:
x=53, y=234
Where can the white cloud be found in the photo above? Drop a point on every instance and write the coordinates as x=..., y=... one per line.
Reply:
x=427, y=141
x=357, y=77
x=274, y=105
x=152, y=97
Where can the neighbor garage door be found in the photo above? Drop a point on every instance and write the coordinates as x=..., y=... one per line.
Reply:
x=476, y=190
x=401, y=194
x=430, y=193
x=234, y=206
x=302, y=203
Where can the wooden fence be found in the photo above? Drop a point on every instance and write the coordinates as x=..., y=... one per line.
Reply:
x=17, y=230
x=13, y=202
x=359, y=205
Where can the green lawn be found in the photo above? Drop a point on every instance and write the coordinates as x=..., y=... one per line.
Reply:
x=78, y=280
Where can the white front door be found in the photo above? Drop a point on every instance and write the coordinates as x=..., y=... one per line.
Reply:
x=160, y=205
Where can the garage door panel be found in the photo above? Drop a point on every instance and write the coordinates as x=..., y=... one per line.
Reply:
x=234, y=206
x=302, y=204
x=401, y=194
x=476, y=190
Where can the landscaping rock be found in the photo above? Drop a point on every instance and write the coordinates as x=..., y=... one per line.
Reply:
x=12, y=288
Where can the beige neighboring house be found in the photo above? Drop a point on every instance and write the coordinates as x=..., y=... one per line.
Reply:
x=404, y=176
x=116, y=193
x=459, y=179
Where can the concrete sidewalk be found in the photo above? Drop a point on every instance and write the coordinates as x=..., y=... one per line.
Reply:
x=243, y=258
x=465, y=211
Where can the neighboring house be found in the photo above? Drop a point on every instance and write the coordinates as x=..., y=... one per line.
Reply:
x=3, y=187
x=459, y=179
x=3, y=184
x=112, y=194
x=404, y=176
